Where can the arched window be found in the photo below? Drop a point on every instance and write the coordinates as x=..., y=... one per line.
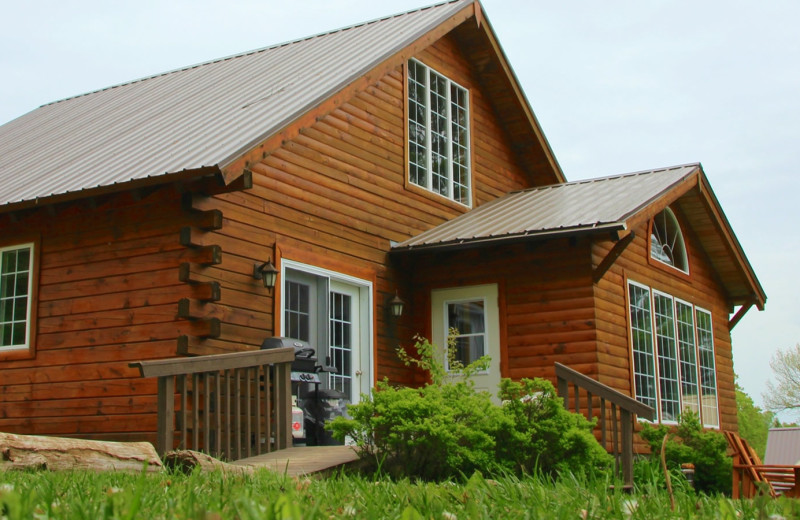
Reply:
x=666, y=241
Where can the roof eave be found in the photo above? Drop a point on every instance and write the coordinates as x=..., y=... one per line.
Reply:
x=471, y=243
x=117, y=187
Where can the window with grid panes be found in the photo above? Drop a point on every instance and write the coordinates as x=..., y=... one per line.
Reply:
x=438, y=133
x=672, y=346
x=15, y=295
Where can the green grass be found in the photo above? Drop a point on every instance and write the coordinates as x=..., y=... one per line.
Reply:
x=265, y=495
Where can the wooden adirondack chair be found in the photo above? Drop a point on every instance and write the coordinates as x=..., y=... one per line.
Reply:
x=751, y=477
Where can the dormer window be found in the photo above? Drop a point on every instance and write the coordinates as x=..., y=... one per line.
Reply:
x=438, y=134
x=666, y=241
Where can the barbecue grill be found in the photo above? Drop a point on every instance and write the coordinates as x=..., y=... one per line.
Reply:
x=311, y=403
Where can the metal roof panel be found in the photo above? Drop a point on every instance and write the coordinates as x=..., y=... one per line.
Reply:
x=577, y=206
x=202, y=115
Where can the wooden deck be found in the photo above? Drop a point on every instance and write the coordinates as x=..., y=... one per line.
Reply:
x=302, y=460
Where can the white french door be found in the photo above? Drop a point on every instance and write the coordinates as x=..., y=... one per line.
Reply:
x=332, y=312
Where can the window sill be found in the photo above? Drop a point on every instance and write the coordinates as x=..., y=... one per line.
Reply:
x=433, y=196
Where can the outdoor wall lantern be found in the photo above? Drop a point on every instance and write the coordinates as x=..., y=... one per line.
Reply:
x=396, y=305
x=267, y=273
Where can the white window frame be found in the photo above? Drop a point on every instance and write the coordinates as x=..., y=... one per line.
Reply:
x=709, y=414
x=452, y=185
x=713, y=368
x=638, y=375
x=29, y=295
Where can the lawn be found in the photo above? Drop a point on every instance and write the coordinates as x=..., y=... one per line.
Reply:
x=265, y=495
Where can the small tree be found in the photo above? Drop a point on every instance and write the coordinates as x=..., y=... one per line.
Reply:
x=785, y=395
x=754, y=423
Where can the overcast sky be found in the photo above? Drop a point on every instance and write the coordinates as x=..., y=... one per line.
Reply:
x=618, y=86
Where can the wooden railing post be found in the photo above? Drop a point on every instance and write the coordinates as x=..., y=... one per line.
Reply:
x=627, y=446
x=283, y=398
x=621, y=427
x=166, y=414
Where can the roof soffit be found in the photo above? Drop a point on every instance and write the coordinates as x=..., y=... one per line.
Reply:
x=481, y=46
x=722, y=247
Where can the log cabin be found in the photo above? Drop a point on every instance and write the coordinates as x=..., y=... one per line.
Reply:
x=394, y=159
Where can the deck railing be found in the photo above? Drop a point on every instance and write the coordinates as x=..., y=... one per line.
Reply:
x=615, y=413
x=227, y=405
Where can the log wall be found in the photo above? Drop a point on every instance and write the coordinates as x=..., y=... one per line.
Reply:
x=546, y=302
x=107, y=295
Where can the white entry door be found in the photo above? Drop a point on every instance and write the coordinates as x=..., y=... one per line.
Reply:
x=332, y=313
x=472, y=312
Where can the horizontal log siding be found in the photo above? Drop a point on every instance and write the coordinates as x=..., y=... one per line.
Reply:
x=700, y=289
x=108, y=295
x=546, y=292
x=336, y=193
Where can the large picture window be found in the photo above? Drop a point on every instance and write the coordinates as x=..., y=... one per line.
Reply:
x=672, y=345
x=16, y=264
x=438, y=133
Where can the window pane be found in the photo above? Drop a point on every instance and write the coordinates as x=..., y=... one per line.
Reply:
x=708, y=379
x=297, y=311
x=667, y=357
x=469, y=349
x=467, y=320
x=341, y=348
x=686, y=349
x=644, y=372
x=9, y=264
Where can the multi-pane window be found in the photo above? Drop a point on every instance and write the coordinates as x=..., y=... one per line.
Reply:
x=438, y=133
x=467, y=319
x=15, y=295
x=680, y=338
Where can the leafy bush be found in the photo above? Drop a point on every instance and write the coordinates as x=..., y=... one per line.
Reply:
x=546, y=436
x=447, y=428
x=707, y=450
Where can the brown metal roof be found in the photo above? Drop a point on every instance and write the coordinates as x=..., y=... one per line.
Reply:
x=783, y=446
x=204, y=115
x=583, y=206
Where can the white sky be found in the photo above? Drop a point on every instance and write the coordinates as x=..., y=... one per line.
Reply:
x=618, y=86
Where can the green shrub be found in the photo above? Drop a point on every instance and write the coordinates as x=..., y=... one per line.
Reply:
x=447, y=428
x=546, y=436
x=707, y=450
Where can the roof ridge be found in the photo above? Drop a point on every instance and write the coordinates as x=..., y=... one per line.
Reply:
x=609, y=177
x=254, y=51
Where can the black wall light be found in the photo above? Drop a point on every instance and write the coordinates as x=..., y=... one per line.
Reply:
x=396, y=305
x=267, y=273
